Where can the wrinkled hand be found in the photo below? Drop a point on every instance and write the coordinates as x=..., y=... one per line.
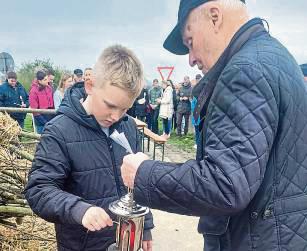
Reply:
x=95, y=218
x=147, y=245
x=130, y=166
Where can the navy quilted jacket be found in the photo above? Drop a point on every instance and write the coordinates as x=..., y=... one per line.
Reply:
x=14, y=97
x=249, y=182
x=76, y=165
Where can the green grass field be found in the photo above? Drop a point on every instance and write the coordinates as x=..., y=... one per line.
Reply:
x=185, y=143
x=28, y=124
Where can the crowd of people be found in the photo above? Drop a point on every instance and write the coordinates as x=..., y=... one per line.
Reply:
x=170, y=103
x=43, y=93
x=248, y=180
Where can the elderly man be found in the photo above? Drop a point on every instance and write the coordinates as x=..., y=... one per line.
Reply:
x=249, y=180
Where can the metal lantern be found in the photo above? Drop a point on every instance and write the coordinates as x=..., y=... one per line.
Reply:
x=129, y=232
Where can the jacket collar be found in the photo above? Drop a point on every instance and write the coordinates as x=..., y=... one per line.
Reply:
x=204, y=89
x=72, y=107
x=16, y=86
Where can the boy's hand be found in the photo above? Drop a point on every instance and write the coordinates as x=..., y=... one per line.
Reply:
x=95, y=218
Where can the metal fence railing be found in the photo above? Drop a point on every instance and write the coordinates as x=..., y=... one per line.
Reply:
x=28, y=110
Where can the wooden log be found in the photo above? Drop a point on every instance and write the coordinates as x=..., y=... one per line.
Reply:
x=21, y=153
x=14, y=176
x=30, y=135
x=11, y=191
x=7, y=223
x=15, y=211
x=7, y=195
x=19, y=202
x=7, y=180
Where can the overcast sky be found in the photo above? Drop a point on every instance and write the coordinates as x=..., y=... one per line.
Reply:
x=72, y=33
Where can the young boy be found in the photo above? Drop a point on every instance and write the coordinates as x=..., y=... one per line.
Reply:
x=76, y=170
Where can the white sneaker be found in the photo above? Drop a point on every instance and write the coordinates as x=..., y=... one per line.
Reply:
x=195, y=146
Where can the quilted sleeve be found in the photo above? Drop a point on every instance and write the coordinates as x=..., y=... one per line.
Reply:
x=241, y=126
x=45, y=188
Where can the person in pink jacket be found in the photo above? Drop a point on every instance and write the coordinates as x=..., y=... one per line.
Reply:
x=41, y=97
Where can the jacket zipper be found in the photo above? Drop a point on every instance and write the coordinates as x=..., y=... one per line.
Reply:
x=116, y=176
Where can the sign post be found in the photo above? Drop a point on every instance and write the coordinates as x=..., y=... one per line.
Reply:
x=6, y=63
x=165, y=68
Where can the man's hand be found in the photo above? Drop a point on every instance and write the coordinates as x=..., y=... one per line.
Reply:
x=95, y=218
x=130, y=166
x=147, y=245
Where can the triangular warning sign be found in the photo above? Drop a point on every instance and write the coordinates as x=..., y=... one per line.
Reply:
x=165, y=71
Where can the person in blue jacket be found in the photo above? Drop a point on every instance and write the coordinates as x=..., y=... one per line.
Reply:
x=248, y=182
x=195, y=121
x=13, y=94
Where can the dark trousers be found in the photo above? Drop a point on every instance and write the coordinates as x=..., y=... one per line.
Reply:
x=179, y=122
x=154, y=114
x=148, y=120
x=174, y=119
x=166, y=125
x=41, y=120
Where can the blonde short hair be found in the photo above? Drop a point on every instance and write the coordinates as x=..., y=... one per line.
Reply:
x=64, y=77
x=119, y=66
x=166, y=82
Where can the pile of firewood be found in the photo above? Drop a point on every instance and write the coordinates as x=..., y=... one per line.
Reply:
x=13, y=171
x=20, y=229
